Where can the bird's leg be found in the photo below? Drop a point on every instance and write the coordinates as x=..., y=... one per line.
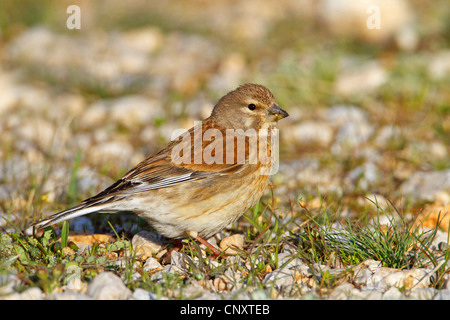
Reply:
x=178, y=244
x=216, y=252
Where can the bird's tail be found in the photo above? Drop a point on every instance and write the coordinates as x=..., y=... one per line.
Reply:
x=80, y=210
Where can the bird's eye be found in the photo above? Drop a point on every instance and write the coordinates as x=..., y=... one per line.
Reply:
x=251, y=106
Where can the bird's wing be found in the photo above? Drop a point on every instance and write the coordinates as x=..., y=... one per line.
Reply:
x=161, y=170
x=167, y=168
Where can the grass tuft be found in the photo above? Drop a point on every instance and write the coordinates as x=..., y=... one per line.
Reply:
x=399, y=243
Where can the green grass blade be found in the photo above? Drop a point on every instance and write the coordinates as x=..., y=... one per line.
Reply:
x=65, y=234
x=73, y=185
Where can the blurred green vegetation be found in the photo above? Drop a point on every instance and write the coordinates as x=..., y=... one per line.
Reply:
x=300, y=62
x=294, y=82
x=16, y=15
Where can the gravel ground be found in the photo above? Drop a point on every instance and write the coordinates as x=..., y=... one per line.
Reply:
x=369, y=122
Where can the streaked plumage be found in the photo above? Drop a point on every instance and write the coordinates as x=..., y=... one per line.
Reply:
x=177, y=198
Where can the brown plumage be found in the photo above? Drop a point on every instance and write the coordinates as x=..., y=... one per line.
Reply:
x=191, y=187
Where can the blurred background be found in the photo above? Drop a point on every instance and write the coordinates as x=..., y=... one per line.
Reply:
x=369, y=107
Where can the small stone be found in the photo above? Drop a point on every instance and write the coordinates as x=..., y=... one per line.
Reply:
x=370, y=294
x=132, y=111
x=436, y=214
x=259, y=295
x=316, y=203
x=69, y=296
x=230, y=72
x=207, y=296
x=146, y=40
x=95, y=115
x=152, y=265
x=179, y=261
x=108, y=286
x=146, y=244
x=91, y=238
x=367, y=275
x=311, y=133
x=72, y=104
x=8, y=283
x=83, y=247
x=89, y=180
x=343, y=291
x=396, y=21
x=387, y=135
x=443, y=295
x=171, y=269
x=351, y=135
x=426, y=185
x=141, y=294
x=422, y=294
x=73, y=280
x=235, y=241
x=374, y=200
x=439, y=65
x=352, y=125
x=279, y=278
x=33, y=293
x=291, y=272
x=339, y=115
x=220, y=283
x=392, y=293
x=124, y=263
x=361, y=79
x=285, y=260
x=363, y=177
x=442, y=196
x=437, y=150
x=38, y=131
x=120, y=151
x=363, y=272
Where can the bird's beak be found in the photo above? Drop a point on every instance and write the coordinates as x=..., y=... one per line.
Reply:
x=277, y=112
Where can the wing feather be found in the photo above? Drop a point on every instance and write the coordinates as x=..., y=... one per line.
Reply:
x=160, y=171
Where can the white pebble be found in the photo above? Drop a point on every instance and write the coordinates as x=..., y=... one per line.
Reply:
x=146, y=243
x=108, y=286
x=152, y=264
x=235, y=241
x=141, y=294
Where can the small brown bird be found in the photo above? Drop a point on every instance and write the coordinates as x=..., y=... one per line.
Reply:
x=205, y=179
